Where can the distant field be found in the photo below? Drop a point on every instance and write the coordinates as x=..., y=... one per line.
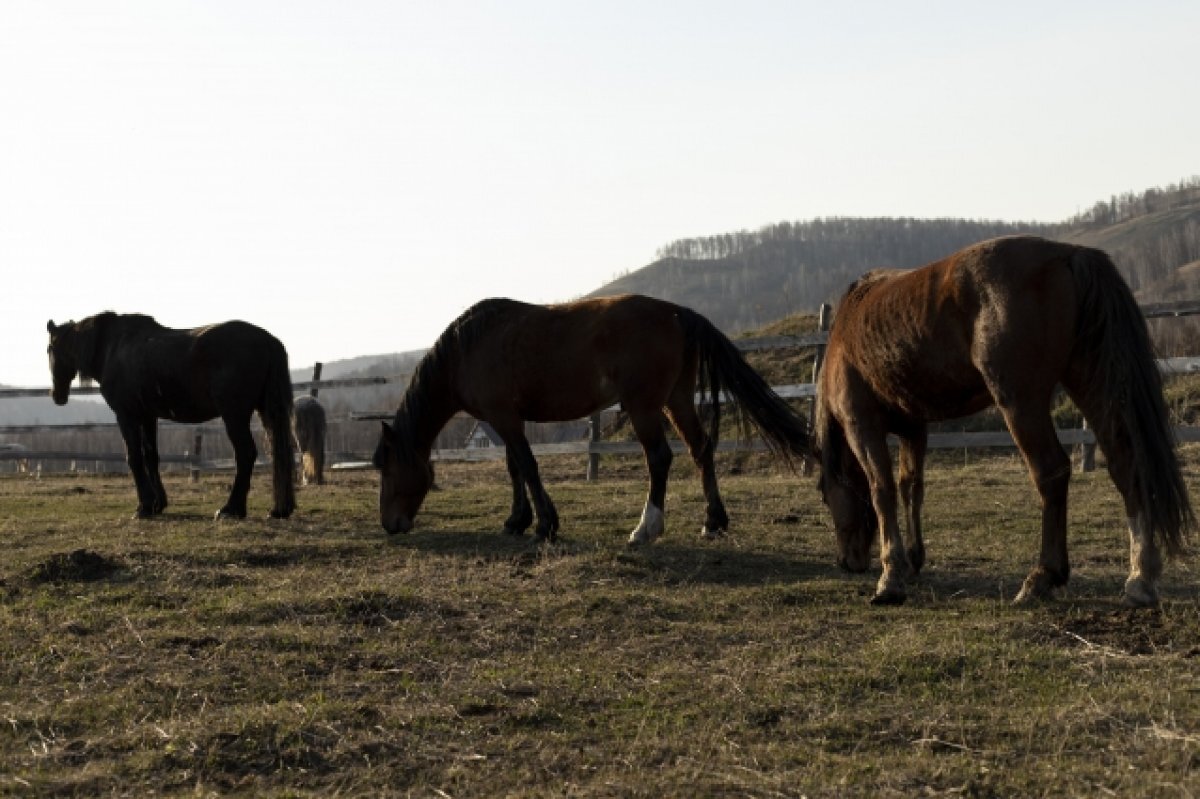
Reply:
x=318, y=657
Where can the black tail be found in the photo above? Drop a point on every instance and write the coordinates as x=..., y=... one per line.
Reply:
x=276, y=413
x=1123, y=387
x=722, y=368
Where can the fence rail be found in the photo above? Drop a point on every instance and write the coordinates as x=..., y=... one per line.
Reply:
x=593, y=448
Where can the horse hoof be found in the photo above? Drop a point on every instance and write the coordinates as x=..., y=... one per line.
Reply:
x=279, y=514
x=889, y=597
x=712, y=533
x=1036, y=588
x=225, y=513
x=1140, y=594
x=513, y=531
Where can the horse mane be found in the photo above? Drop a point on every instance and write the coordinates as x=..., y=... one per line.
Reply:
x=430, y=380
x=94, y=332
x=867, y=281
x=828, y=441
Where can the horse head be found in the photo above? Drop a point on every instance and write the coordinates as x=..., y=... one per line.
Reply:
x=64, y=359
x=845, y=491
x=405, y=480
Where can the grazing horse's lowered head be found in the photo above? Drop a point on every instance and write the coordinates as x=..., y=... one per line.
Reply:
x=846, y=492
x=406, y=479
x=506, y=363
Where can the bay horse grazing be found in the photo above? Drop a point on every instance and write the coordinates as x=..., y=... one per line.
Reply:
x=506, y=362
x=148, y=372
x=308, y=423
x=1003, y=322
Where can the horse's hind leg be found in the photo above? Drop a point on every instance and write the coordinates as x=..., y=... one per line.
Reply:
x=912, y=493
x=1145, y=565
x=682, y=411
x=1145, y=559
x=1050, y=469
x=244, y=453
x=649, y=428
x=318, y=459
x=522, y=513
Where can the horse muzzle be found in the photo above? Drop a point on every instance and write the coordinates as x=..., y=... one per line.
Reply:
x=397, y=524
x=60, y=397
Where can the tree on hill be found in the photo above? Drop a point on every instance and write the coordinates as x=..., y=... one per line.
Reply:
x=745, y=279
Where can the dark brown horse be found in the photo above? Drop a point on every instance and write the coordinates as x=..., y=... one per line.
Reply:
x=308, y=423
x=1003, y=322
x=148, y=372
x=505, y=362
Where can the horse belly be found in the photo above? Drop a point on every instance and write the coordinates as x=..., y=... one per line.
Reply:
x=935, y=396
x=567, y=402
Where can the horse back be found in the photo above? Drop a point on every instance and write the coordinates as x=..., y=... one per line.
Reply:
x=911, y=343
x=561, y=362
x=190, y=375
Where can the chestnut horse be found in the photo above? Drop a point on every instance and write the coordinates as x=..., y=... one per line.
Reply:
x=506, y=362
x=148, y=372
x=1003, y=322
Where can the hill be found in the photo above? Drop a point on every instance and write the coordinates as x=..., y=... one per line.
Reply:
x=746, y=279
x=42, y=410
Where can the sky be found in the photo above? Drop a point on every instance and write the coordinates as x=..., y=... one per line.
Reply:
x=352, y=175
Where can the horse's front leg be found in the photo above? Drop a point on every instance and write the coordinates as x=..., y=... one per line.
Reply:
x=150, y=448
x=649, y=429
x=521, y=517
x=133, y=431
x=527, y=470
x=872, y=453
x=912, y=493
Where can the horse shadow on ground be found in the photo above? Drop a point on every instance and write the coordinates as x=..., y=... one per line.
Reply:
x=669, y=561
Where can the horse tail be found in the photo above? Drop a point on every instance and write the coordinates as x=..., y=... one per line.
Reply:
x=722, y=368
x=275, y=409
x=1122, y=388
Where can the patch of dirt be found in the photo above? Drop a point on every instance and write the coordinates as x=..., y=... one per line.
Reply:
x=80, y=566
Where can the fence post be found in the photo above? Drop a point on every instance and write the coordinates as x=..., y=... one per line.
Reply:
x=824, y=319
x=312, y=392
x=1087, y=453
x=593, y=465
x=194, y=472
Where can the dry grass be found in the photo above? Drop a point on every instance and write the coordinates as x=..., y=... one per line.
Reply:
x=319, y=657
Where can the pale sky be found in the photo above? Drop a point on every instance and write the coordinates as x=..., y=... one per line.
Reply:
x=352, y=175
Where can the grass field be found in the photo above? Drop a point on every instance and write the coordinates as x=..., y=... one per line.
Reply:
x=318, y=657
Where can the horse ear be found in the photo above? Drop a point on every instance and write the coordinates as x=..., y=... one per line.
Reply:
x=50, y=327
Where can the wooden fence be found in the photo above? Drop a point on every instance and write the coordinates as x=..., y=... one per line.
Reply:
x=593, y=447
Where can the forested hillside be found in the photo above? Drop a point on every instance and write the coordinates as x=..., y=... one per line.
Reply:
x=746, y=279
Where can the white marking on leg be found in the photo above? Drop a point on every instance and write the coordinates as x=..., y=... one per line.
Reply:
x=1145, y=565
x=651, y=526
